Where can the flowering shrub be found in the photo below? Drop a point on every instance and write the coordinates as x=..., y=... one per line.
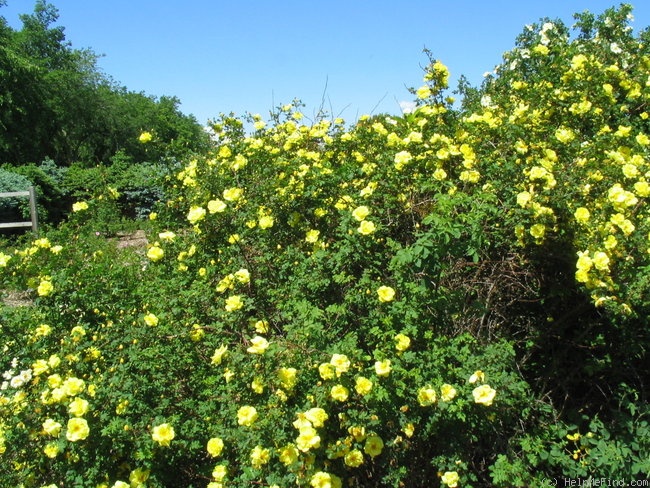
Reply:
x=324, y=306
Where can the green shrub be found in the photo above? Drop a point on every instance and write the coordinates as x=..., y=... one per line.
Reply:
x=398, y=303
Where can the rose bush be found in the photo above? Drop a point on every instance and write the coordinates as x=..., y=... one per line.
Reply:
x=410, y=301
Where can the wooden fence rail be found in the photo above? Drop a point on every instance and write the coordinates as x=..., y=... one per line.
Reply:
x=33, y=223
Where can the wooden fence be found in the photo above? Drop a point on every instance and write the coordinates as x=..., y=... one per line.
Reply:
x=33, y=223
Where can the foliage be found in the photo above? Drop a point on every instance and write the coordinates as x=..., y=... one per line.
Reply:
x=404, y=302
x=55, y=103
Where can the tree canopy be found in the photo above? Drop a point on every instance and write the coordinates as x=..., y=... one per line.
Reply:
x=56, y=103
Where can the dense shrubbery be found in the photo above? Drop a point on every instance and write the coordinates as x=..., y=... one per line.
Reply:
x=446, y=298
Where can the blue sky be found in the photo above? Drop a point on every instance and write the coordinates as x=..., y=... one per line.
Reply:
x=354, y=57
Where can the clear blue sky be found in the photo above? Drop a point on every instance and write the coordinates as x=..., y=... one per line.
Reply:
x=251, y=55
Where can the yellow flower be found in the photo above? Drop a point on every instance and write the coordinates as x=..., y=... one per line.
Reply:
x=258, y=345
x=373, y=446
x=246, y=415
x=219, y=473
x=151, y=320
x=383, y=368
x=426, y=396
x=288, y=454
x=409, y=429
x=564, y=135
x=77, y=430
x=52, y=427
x=78, y=407
x=450, y=478
x=79, y=206
x=477, y=376
x=402, y=342
x=218, y=355
x=538, y=231
x=232, y=194
x=242, y=276
x=601, y=261
x=215, y=446
x=401, y=159
x=316, y=416
x=234, y=303
x=312, y=236
x=582, y=215
x=155, y=253
x=45, y=288
x=322, y=479
x=51, y=450
x=423, y=92
x=145, y=137
x=439, y=174
x=265, y=222
x=484, y=395
x=341, y=363
x=642, y=188
x=360, y=213
x=307, y=439
x=196, y=214
x=163, y=434
x=287, y=377
x=339, y=393
x=73, y=386
x=257, y=385
x=385, y=293
x=354, y=458
x=447, y=392
x=216, y=206
x=363, y=386
x=260, y=456
x=138, y=477
x=326, y=371
x=524, y=198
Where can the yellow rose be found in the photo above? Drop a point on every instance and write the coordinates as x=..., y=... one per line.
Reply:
x=260, y=456
x=215, y=446
x=402, y=342
x=484, y=395
x=450, y=478
x=151, y=320
x=426, y=396
x=341, y=363
x=155, y=253
x=145, y=137
x=163, y=434
x=360, y=213
x=196, y=214
x=354, y=458
x=447, y=392
x=339, y=393
x=246, y=415
x=52, y=427
x=258, y=345
x=77, y=430
x=78, y=407
x=234, y=303
x=45, y=288
x=373, y=446
x=366, y=227
x=385, y=293
x=363, y=386
x=383, y=368
x=316, y=416
x=307, y=439
x=322, y=479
